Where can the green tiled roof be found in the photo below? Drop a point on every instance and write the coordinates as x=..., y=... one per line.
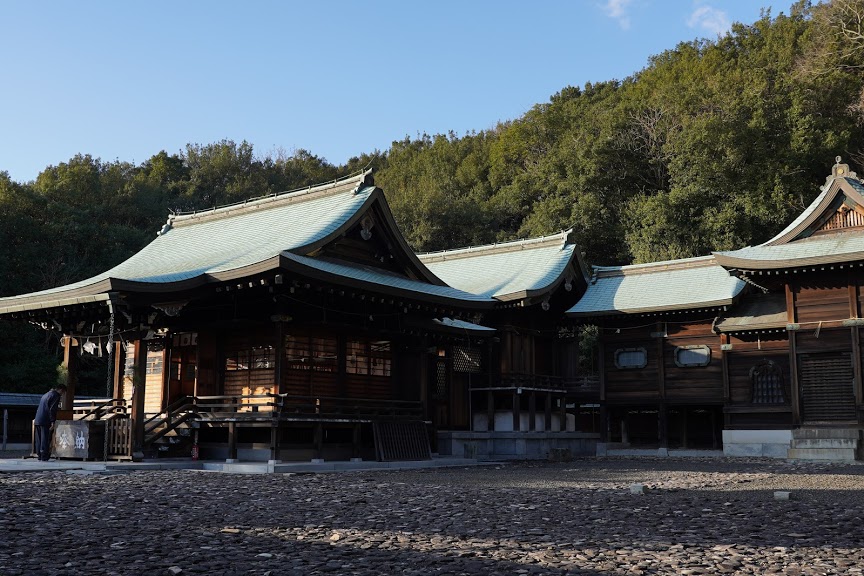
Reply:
x=793, y=247
x=505, y=271
x=817, y=250
x=686, y=284
x=380, y=279
x=194, y=248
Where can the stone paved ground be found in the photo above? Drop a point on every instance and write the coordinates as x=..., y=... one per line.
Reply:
x=699, y=517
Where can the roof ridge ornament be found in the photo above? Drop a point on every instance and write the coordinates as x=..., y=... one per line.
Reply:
x=840, y=171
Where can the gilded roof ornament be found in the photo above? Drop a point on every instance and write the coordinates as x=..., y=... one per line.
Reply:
x=840, y=171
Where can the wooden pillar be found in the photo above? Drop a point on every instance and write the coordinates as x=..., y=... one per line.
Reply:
x=516, y=410
x=279, y=352
x=684, y=427
x=71, y=361
x=490, y=410
x=318, y=441
x=663, y=425
x=274, y=441
x=563, y=407
x=793, y=357
x=120, y=369
x=532, y=411
x=724, y=364
x=856, y=341
x=714, y=443
x=139, y=381
x=547, y=412
x=355, y=440
x=166, y=372
x=604, y=426
x=232, y=441
x=661, y=364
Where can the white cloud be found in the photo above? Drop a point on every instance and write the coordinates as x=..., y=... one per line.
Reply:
x=709, y=19
x=617, y=10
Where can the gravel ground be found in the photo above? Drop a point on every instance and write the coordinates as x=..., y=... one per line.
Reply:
x=698, y=517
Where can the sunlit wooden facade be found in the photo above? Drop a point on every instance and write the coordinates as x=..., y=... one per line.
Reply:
x=752, y=350
x=302, y=326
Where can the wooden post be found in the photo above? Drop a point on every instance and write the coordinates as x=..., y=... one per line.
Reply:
x=684, y=427
x=119, y=370
x=793, y=356
x=516, y=410
x=661, y=364
x=490, y=410
x=355, y=441
x=274, y=441
x=724, y=363
x=663, y=425
x=563, y=425
x=532, y=411
x=319, y=441
x=70, y=364
x=856, y=341
x=232, y=442
x=547, y=412
x=139, y=381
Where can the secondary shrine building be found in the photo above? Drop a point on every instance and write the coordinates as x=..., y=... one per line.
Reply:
x=302, y=326
x=755, y=351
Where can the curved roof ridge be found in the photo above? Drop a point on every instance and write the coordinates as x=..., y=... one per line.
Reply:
x=354, y=181
x=563, y=238
x=661, y=266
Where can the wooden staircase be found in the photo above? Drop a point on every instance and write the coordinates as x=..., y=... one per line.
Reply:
x=170, y=433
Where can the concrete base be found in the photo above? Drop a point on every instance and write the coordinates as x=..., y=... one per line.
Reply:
x=499, y=445
x=826, y=444
x=756, y=443
x=32, y=465
x=605, y=450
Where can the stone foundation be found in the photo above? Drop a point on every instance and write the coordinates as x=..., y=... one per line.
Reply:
x=762, y=443
x=503, y=445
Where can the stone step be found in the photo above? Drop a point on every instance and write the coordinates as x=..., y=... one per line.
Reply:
x=826, y=443
x=835, y=454
x=826, y=433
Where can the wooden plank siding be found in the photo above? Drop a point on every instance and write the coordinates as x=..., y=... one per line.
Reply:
x=692, y=384
x=630, y=385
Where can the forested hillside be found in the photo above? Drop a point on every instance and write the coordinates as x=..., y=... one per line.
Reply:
x=714, y=145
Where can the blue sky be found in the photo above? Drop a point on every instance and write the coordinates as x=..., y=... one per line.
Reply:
x=124, y=80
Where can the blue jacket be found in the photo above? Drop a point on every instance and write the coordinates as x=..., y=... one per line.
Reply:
x=46, y=414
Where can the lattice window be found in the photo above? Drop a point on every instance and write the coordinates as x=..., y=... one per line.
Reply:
x=631, y=358
x=689, y=356
x=441, y=380
x=466, y=360
x=256, y=358
x=315, y=354
x=368, y=357
x=767, y=384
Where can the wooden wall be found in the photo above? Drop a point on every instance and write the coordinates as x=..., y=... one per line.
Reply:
x=692, y=384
